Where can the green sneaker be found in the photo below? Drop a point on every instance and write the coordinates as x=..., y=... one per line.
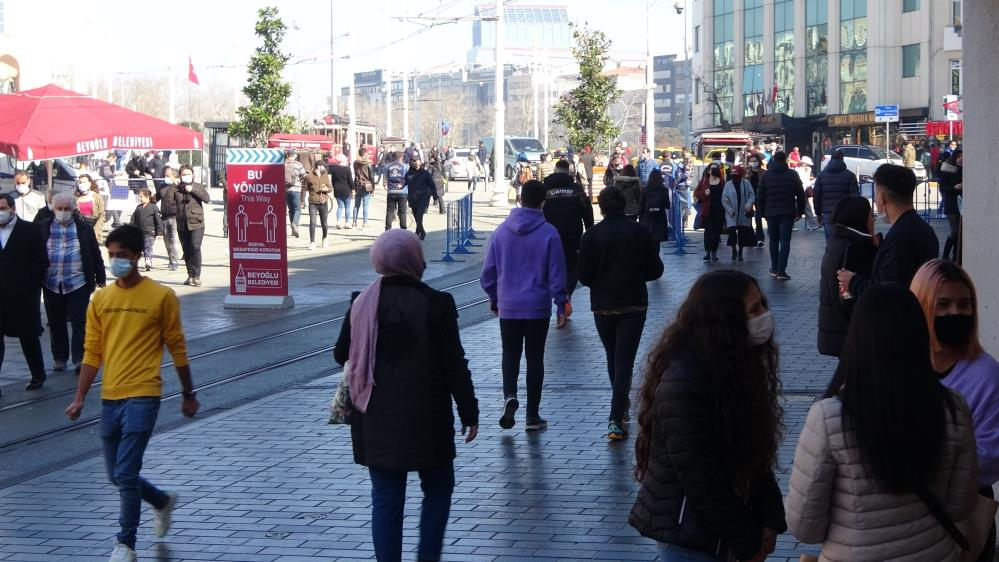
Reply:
x=615, y=432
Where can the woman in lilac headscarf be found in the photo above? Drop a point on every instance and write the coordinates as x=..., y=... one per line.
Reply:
x=407, y=363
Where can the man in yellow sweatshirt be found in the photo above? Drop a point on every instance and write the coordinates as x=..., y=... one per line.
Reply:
x=128, y=323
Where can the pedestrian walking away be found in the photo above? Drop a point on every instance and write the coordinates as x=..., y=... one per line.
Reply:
x=147, y=217
x=570, y=212
x=852, y=247
x=655, y=206
x=167, y=200
x=76, y=268
x=952, y=192
x=546, y=167
x=909, y=243
x=627, y=182
x=318, y=186
x=524, y=273
x=834, y=183
x=396, y=191
x=617, y=257
x=294, y=174
x=709, y=193
x=24, y=263
x=781, y=200
x=343, y=187
x=709, y=425
x=407, y=364
x=364, y=187
x=886, y=461
x=950, y=302
x=739, y=200
x=191, y=198
x=128, y=323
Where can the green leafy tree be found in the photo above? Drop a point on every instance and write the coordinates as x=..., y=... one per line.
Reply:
x=583, y=112
x=267, y=92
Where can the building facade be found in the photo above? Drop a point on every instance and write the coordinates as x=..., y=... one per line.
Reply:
x=672, y=92
x=818, y=67
x=530, y=31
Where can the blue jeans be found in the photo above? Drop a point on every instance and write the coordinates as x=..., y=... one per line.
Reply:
x=126, y=426
x=779, y=229
x=294, y=199
x=672, y=553
x=828, y=228
x=362, y=203
x=388, y=499
x=343, y=209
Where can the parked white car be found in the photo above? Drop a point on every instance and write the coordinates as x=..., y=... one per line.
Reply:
x=456, y=167
x=864, y=159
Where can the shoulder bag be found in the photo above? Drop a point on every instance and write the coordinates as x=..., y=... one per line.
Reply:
x=341, y=405
x=970, y=534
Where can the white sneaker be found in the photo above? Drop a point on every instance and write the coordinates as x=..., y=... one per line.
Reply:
x=122, y=553
x=162, y=517
x=312, y=245
x=326, y=242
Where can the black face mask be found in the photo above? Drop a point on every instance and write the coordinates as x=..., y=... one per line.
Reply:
x=716, y=172
x=953, y=329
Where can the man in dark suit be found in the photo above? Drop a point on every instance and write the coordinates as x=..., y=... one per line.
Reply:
x=23, y=265
x=908, y=245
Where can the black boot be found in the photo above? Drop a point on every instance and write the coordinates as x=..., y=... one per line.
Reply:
x=735, y=254
x=714, y=255
x=707, y=256
x=740, y=253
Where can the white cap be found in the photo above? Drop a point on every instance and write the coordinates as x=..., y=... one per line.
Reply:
x=341, y=159
x=807, y=161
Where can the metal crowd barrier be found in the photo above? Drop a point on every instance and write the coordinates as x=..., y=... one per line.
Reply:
x=926, y=199
x=460, y=235
x=676, y=230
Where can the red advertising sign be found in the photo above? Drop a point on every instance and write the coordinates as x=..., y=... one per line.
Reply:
x=258, y=251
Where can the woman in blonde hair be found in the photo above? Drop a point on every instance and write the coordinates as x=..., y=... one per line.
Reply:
x=949, y=300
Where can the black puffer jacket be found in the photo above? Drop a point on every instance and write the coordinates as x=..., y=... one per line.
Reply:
x=342, y=180
x=851, y=250
x=950, y=175
x=683, y=499
x=566, y=206
x=632, y=190
x=780, y=193
x=617, y=257
x=833, y=183
x=420, y=366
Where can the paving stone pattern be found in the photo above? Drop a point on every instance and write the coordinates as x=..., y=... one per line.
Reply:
x=270, y=481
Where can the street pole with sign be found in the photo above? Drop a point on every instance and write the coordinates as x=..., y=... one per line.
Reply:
x=886, y=114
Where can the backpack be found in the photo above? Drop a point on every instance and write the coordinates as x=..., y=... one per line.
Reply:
x=290, y=178
x=524, y=175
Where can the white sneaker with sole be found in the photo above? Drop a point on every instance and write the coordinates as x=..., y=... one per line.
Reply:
x=162, y=517
x=326, y=242
x=122, y=553
x=312, y=246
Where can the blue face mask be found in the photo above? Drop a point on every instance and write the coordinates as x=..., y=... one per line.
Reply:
x=121, y=267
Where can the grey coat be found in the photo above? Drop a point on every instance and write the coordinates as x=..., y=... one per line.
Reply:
x=730, y=199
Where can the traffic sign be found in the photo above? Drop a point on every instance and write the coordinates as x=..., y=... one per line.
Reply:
x=445, y=128
x=885, y=113
x=952, y=109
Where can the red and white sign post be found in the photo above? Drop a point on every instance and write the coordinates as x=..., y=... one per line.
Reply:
x=258, y=249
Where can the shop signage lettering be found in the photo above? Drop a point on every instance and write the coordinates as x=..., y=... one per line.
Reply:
x=851, y=119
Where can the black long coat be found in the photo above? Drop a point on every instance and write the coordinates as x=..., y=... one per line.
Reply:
x=855, y=252
x=420, y=366
x=23, y=265
x=655, y=210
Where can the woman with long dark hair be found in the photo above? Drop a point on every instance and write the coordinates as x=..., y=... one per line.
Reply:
x=952, y=187
x=709, y=193
x=709, y=425
x=627, y=181
x=886, y=462
x=655, y=206
x=950, y=304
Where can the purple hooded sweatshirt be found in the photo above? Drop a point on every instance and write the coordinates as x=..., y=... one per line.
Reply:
x=525, y=267
x=978, y=382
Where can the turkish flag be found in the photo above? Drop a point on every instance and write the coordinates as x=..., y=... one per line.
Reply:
x=952, y=106
x=190, y=71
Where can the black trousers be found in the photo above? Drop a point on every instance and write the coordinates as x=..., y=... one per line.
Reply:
x=395, y=203
x=31, y=347
x=419, y=208
x=61, y=308
x=620, y=334
x=190, y=242
x=323, y=211
x=517, y=337
x=712, y=234
x=570, y=247
x=950, y=245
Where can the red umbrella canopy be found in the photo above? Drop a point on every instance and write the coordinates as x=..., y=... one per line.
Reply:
x=52, y=122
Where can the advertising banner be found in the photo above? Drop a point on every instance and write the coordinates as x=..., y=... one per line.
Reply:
x=258, y=250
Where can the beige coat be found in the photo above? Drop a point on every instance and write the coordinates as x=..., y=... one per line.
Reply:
x=834, y=499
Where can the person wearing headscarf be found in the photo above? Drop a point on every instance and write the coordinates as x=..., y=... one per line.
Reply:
x=406, y=365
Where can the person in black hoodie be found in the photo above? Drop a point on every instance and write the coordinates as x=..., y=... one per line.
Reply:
x=781, y=200
x=655, y=207
x=617, y=257
x=709, y=425
x=834, y=182
x=167, y=196
x=951, y=186
x=421, y=189
x=853, y=247
x=570, y=212
x=908, y=245
x=147, y=217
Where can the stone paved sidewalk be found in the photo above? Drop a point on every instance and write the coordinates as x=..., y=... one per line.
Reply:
x=270, y=481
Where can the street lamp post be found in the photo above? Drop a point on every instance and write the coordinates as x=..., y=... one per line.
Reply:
x=678, y=6
x=650, y=85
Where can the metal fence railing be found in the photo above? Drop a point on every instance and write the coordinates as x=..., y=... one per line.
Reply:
x=459, y=236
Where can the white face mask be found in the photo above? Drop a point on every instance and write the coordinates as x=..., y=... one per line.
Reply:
x=23, y=188
x=187, y=179
x=5, y=217
x=761, y=328
x=63, y=217
x=83, y=188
